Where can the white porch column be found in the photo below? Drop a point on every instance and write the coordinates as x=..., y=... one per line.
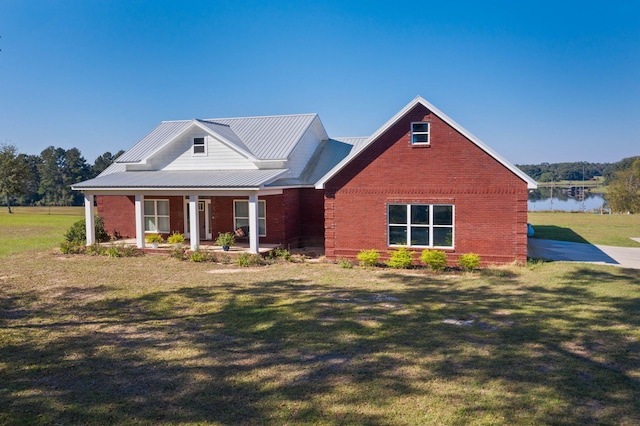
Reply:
x=194, y=222
x=254, y=230
x=139, y=203
x=89, y=219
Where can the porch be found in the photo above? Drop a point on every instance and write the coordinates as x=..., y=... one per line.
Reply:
x=205, y=245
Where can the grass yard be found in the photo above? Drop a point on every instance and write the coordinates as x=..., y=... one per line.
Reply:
x=152, y=340
x=607, y=229
x=35, y=228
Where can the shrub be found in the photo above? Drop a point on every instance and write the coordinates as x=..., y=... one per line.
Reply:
x=469, y=261
x=435, y=259
x=280, y=253
x=345, y=263
x=401, y=258
x=95, y=250
x=71, y=247
x=154, y=238
x=248, y=259
x=368, y=257
x=113, y=251
x=175, y=238
x=197, y=256
x=225, y=239
x=78, y=231
x=178, y=253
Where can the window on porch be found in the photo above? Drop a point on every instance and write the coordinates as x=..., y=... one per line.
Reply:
x=156, y=216
x=241, y=215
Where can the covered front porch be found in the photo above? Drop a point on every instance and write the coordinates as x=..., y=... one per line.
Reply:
x=196, y=221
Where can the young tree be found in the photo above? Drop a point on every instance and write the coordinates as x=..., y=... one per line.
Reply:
x=624, y=191
x=15, y=173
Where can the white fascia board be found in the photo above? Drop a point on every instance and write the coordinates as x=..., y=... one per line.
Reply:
x=531, y=184
x=185, y=191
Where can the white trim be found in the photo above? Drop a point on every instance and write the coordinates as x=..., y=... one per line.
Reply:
x=531, y=184
x=431, y=226
x=205, y=143
x=156, y=216
x=90, y=225
x=139, y=207
x=428, y=133
x=258, y=218
x=207, y=215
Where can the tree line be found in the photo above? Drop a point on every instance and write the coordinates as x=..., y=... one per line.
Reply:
x=580, y=170
x=622, y=178
x=46, y=179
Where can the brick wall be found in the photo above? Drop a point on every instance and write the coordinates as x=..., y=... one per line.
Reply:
x=490, y=201
x=118, y=213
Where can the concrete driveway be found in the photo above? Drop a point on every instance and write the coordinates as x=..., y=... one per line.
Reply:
x=624, y=257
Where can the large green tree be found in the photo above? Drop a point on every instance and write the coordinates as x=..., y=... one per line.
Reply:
x=624, y=191
x=15, y=173
x=104, y=161
x=59, y=169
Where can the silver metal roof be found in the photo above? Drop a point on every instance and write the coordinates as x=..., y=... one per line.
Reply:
x=266, y=138
x=182, y=179
x=167, y=130
x=270, y=137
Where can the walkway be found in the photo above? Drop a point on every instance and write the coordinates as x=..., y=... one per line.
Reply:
x=624, y=257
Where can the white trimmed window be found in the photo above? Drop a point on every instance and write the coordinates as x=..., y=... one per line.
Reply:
x=199, y=146
x=156, y=216
x=420, y=133
x=420, y=225
x=241, y=215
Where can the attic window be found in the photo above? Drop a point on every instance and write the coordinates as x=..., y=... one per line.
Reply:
x=420, y=133
x=199, y=147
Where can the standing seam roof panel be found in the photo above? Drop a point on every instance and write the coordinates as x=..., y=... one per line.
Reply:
x=158, y=136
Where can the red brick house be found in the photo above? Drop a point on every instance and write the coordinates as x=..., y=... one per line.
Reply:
x=420, y=181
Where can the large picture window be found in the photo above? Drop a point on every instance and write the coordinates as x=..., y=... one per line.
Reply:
x=241, y=215
x=420, y=225
x=156, y=216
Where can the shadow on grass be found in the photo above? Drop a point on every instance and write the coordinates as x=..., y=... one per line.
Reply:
x=558, y=233
x=294, y=351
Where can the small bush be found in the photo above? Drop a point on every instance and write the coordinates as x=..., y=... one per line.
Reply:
x=71, y=247
x=113, y=252
x=469, y=261
x=248, y=259
x=434, y=259
x=197, y=256
x=154, y=238
x=279, y=253
x=368, y=257
x=178, y=253
x=345, y=263
x=95, y=250
x=78, y=231
x=175, y=238
x=401, y=258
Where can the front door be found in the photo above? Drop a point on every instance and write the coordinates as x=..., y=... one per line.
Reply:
x=204, y=215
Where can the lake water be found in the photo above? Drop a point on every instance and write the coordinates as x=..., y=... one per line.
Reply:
x=541, y=200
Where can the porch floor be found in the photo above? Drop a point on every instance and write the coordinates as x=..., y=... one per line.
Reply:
x=208, y=245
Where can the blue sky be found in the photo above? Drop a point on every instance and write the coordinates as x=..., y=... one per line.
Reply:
x=543, y=81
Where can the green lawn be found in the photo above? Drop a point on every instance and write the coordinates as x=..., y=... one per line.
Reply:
x=152, y=340
x=607, y=229
x=35, y=228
